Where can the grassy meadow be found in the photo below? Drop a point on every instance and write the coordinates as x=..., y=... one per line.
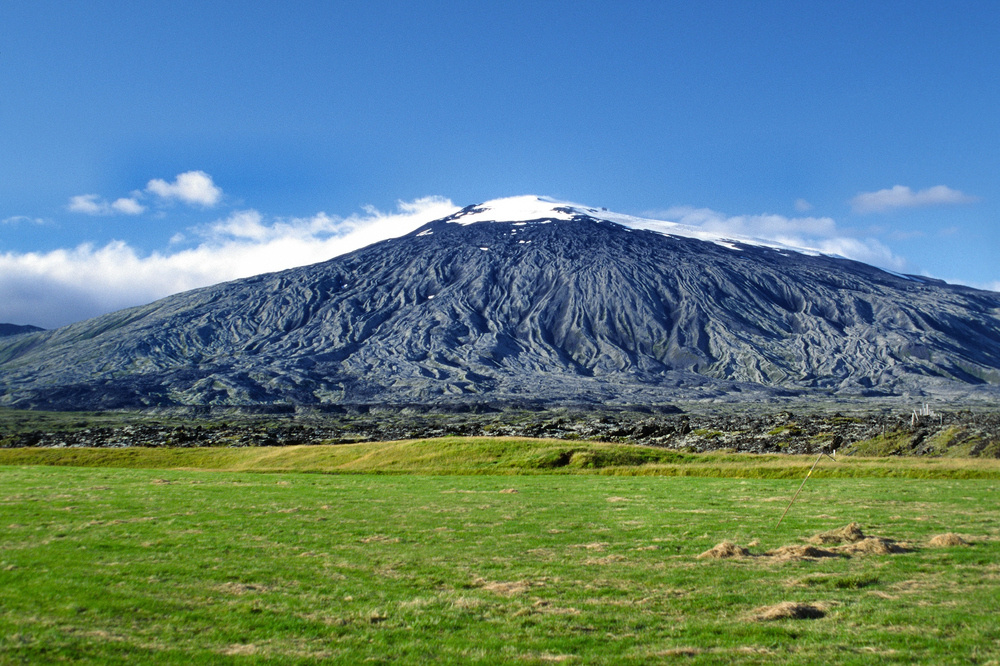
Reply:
x=486, y=551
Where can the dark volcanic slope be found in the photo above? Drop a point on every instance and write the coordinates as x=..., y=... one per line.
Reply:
x=577, y=309
x=14, y=329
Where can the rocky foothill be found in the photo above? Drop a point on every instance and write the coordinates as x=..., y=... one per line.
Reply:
x=889, y=432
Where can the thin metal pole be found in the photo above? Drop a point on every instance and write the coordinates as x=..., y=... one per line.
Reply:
x=818, y=458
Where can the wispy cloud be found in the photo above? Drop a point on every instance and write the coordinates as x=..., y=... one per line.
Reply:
x=190, y=187
x=23, y=219
x=901, y=196
x=45, y=289
x=758, y=226
x=993, y=285
x=820, y=234
x=93, y=204
x=867, y=250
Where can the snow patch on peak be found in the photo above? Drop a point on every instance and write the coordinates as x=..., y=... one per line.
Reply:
x=522, y=209
x=514, y=209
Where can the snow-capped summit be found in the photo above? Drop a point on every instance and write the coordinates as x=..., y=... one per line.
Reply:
x=530, y=208
x=523, y=208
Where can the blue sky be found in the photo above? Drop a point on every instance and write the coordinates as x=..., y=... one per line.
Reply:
x=148, y=147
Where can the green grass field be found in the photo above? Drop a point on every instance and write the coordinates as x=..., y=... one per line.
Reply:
x=488, y=551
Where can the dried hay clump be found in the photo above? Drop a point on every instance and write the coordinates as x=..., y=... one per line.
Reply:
x=787, y=553
x=946, y=540
x=508, y=588
x=872, y=546
x=724, y=550
x=788, y=610
x=848, y=534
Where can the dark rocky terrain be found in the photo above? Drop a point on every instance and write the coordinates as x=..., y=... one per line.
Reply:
x=800, y=430
x=569, y=308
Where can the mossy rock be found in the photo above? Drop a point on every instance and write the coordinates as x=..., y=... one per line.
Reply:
x=890, y=444
x=790, y=429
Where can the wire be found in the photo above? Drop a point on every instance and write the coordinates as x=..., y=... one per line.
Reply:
x=818, y=458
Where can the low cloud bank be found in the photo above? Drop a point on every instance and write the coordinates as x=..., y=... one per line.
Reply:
x=820, y=234
x=55, y=288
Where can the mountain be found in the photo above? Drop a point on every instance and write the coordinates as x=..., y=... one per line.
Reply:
x=527, y=300
x=15, y=329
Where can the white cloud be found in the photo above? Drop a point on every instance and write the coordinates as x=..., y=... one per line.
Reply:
x=191, y=187
x=92, y=204
x=819, y=234
x=868, y=250
x=22, y=219
x=802, y=206
x=45, y=289
x=901, y=196
x=757, y=226
x=87, y=203
x=128, y=206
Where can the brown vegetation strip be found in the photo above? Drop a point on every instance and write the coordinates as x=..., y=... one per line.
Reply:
x=853, y=543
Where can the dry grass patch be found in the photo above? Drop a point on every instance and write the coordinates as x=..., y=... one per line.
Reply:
x=543, y=606
x=679, y=652
x=553, y=658
x=508, y=589
x=609, y=559
x=379, y=538
x=796, y=552
x=240, y=650
x=467, y=603
x=947, y=540
x=788, y=610
x=855, y=542
x=239, y=589
x=848, y=534
x=724, y=550
x=872, y=546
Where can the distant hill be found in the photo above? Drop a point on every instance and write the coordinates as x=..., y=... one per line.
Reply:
x=14, y=329
x=534, y=301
